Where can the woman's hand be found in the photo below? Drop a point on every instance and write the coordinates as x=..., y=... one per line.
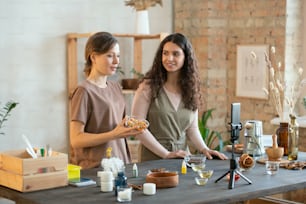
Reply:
x=122, y=131
x=213, y=153
x=177, y=154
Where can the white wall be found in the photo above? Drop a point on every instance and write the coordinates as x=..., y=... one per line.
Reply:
x=295, y=49
x=33, y=59
x=304, y=39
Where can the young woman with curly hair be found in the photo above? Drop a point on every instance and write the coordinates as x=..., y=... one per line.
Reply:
x=169, y=97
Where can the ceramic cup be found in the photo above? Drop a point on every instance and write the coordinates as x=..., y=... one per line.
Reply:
x=149, y=188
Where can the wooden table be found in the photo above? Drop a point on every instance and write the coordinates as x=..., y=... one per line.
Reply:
x=186, y=192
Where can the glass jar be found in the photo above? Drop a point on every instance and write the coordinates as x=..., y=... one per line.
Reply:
x=283, y=136
x=253, y=144
x=293, y=148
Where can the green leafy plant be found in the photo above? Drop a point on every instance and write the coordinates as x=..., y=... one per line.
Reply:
x=132, y=82
x=210, y=137
x=137, y=73
x=120, y=71
x=5, y=112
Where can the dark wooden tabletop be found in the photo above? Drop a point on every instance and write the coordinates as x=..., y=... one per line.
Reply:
x=186, y=192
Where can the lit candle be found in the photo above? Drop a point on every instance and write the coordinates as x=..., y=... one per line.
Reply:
x=149, y=188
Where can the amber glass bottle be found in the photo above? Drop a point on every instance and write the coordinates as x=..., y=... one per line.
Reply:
x=283, y=137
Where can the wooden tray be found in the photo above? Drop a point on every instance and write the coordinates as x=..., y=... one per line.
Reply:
x=228, y=148
x=284, y=163
x=295, y=165
x=263, y=161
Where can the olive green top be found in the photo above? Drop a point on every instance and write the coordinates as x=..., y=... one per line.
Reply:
x=167, y=125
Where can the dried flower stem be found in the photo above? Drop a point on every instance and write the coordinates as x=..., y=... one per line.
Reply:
x=141, y=5
x=278, y=86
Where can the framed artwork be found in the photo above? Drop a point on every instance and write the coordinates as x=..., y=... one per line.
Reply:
x=252, y=72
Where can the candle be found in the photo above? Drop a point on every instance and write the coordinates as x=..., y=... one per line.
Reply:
x=124, y=194
x=149, y=188
x=105, y=176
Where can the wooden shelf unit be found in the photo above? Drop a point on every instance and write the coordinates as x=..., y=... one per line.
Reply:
x=72, y=40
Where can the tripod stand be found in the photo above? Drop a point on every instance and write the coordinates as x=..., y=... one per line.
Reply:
x=235, y=128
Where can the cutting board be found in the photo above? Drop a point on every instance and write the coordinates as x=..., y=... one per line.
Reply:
x=263, y=161
x=237, y=150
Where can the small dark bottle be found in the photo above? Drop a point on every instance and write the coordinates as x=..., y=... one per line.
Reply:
x=283, y=137
x=120, y=181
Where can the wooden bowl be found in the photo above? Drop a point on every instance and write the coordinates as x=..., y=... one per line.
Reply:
x=130, y=83
x=275, y=154
x=163, y=179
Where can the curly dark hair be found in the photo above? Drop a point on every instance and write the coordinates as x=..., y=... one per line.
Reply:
x=188, y=77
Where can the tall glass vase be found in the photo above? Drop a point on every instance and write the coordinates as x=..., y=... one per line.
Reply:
x=293, y=139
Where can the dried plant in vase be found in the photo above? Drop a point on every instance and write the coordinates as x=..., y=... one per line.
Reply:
x=141, y=5
x=278, y=87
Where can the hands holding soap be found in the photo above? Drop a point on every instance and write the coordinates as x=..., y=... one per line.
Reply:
x=140, y=124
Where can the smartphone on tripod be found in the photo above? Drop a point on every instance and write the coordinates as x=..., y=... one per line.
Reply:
x=236, y=126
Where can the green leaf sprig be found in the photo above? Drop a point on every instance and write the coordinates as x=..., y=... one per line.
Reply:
x=210, y=136
x=5, y=112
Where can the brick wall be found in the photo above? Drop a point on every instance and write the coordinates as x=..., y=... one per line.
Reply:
x=215, y=28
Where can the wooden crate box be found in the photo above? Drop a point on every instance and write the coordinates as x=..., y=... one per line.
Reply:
x=21, y=172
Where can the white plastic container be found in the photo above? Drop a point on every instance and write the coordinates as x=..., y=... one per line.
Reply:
x=149, y=188
x=105, y=176
x=107, y=186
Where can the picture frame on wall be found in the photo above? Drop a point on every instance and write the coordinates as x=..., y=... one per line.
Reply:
x=252, y=72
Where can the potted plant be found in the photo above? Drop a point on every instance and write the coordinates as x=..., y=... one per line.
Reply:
x=140, y=5
x=210, y=137
x=132, y=83
x=142, y=16
x=5, y=113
